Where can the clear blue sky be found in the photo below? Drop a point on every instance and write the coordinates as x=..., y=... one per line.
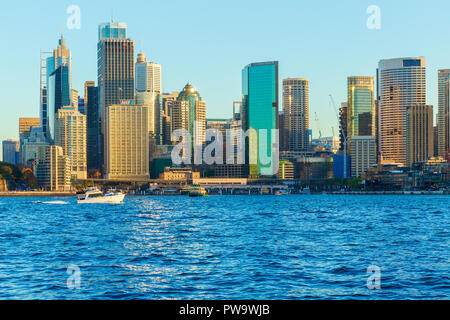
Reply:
x=209, y=42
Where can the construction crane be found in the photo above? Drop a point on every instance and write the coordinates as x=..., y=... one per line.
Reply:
x=344, y=135
x=318, y=125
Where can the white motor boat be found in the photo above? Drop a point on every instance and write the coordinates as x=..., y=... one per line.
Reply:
x=93, y=195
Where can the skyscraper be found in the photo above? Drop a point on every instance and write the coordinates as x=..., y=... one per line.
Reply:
x=149, y=88
x=70, y=134
x=260, y=112
x=197, y=114
x=148, y=75
x=115, y=69
x=59, y=86
x=361, y=107
x=401, y=84
x=443, y=120
x=296, y=113
x=94, y=151
x=420, y=133
x=127, y=142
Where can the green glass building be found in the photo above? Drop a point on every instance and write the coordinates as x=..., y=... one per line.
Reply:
x=360, y=107
x=260, y=111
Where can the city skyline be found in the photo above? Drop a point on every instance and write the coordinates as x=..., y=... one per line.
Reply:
x=309, y=57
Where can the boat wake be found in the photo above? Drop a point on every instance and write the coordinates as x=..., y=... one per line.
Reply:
x=51, y=202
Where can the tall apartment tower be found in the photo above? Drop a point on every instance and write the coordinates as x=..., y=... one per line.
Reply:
x=149, y=87
x=70, y=135
x=127, y=142
x=260, y=112
x=363, y=154
x=401, y=84
x=361, y=106
x=148, y=75
x=420, y=134
x=296, y=113
x=115, y=70
x=443, y=120
x=53, y=169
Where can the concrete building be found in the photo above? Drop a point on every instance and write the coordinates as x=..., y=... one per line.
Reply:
x=420, y=134
x=363, y=154
x=286, y=171
x=296, y=113
x=314, y=168
x=149, y=87
x=10, y=151
x=401, y=84
x=31, y=142
x=71, y=135
x=127, y=142
x=148, y=75
x=25, y=124
x=179, y=174
x=53, y=170
x=443, y=117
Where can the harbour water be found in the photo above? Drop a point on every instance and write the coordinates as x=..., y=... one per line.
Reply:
x=226, y=247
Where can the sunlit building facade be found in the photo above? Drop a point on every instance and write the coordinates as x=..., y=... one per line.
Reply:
x=71, y=135
x=361, y=107
x=296, y=113
x=53, y=171
x=401, y=84
x=115, y=72
x=443, y=120
x=420, y=134
x=127, y=142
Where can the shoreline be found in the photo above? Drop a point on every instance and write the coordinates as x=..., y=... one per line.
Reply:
x=36, y=194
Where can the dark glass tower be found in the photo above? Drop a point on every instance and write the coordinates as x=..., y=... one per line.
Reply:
x=115, y=70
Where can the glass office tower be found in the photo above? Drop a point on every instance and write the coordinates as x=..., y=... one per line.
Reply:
x=361, y=107
x=260, y=111
x=59, y=86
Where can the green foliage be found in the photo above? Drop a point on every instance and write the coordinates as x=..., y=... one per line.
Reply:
x=10, y=171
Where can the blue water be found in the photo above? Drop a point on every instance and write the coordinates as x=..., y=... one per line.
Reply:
x=229, y=247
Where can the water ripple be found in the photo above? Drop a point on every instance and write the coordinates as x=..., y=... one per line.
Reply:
x=240, y=247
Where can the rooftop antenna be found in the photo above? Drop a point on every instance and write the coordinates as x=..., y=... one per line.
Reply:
x=112, y=15
x=140, y=43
